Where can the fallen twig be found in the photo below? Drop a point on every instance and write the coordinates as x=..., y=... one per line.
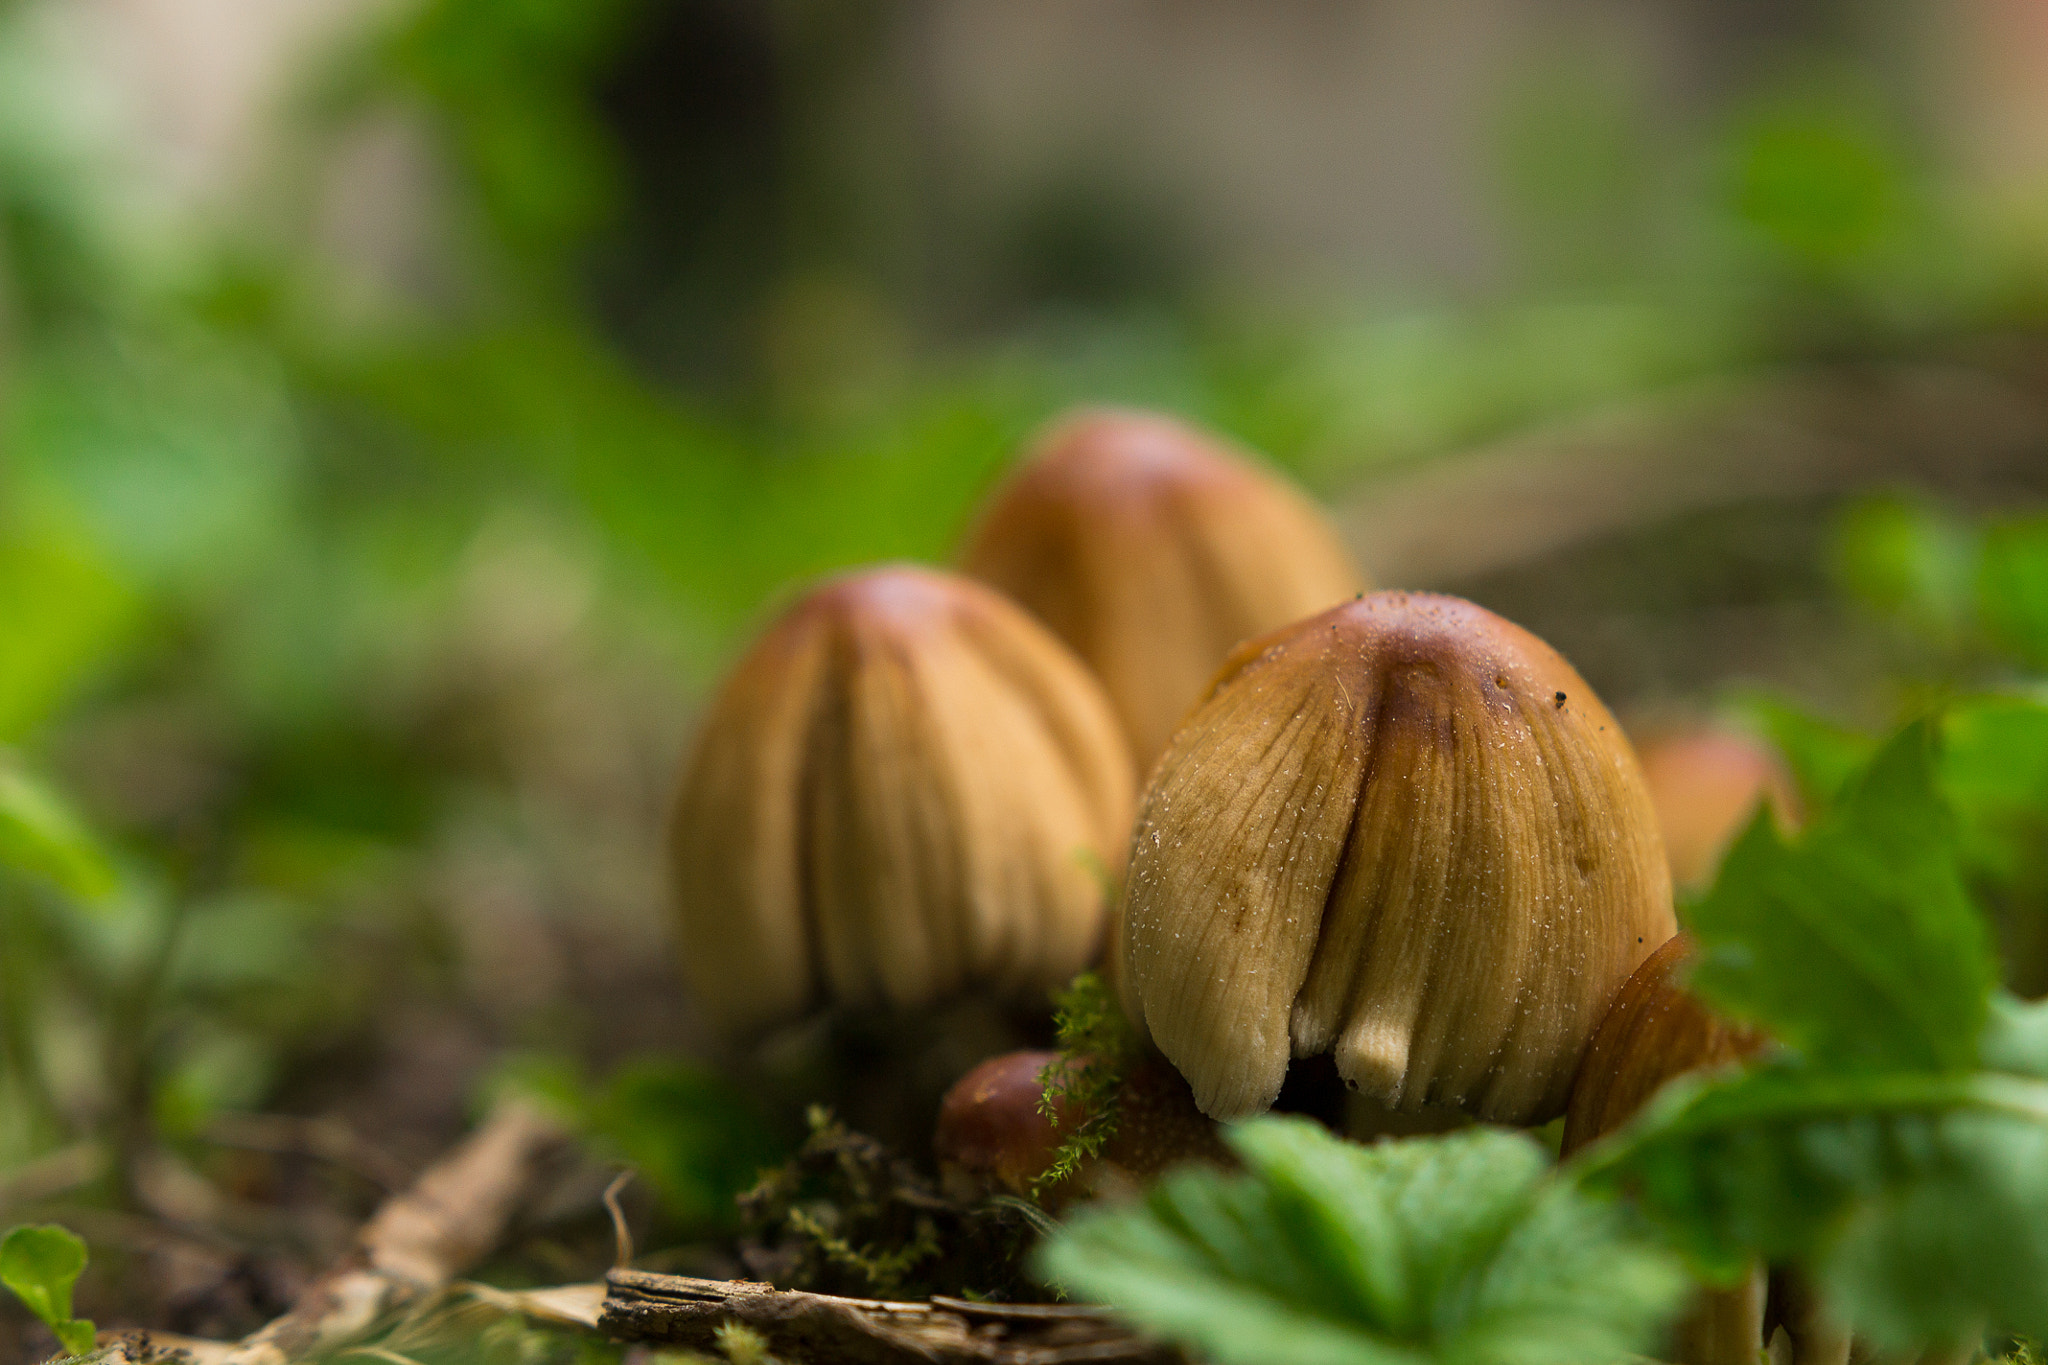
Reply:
x=678, y=1310
x=414, y=1246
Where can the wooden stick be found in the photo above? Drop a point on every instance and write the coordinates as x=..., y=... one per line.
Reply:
x=415, y=1244
x=678, y=1310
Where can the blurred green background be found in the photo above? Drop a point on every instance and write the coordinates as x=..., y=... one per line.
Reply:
x=406, y=407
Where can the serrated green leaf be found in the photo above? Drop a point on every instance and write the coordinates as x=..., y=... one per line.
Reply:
x=1857, y=945
x=41, y=1264
x=1900, y=1151
x=1882, y=1184
x=1452, y=1249
x=1823, y=756
x=40, y=835
x=1962, y=1243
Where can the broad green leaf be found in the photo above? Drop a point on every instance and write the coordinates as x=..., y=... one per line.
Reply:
x=41, y=1264
x=1452, y=1249
x=40, y=835
x=1856, y=945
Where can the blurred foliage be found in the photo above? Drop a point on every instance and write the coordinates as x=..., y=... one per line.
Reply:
x=691, y=1134
x=1892, y=1145
x=318, y=595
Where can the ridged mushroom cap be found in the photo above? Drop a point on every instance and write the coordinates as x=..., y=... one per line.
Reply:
x=1153, y=550
x=1403, y=831
x=1706, y=785
x=893, y=798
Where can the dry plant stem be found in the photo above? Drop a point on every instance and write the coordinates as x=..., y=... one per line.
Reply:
x=417, y=1242
x=677, y=1310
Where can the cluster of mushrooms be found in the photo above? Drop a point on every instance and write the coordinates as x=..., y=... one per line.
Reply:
x=1388, y=827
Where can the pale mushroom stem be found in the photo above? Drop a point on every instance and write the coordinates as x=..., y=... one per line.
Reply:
x=1726, y=1327
x=1960, y=1352
x=1816, y=1337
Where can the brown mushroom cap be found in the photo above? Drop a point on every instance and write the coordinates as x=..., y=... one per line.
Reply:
x=893, y=798
x=1654, y=1030
x=1403, y=831
x=1706, y=785
x=992, y=1135
x=1153, y=549
x=992, y=1132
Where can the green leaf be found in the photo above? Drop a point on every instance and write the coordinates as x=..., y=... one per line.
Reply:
x=1822, y=756
x=1994, y=771
x=1906, y=559
x=697, y=1139
x=40, y=835
x=2012, y=588
x=68, y=612
x=694, y=1137
x=1857, y=945
x=1452, y=1249
x=41, y=1264
x=1918, y=1201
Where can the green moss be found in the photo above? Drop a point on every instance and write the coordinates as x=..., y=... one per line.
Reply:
x=1096, y=1048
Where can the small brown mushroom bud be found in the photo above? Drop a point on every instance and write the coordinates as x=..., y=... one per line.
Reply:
x=1403, y=831
x=1152, y=550
x=993, y=1136
x=906, y=789
x=1654, y=1031
x=1706, y=785
x=992, y=1133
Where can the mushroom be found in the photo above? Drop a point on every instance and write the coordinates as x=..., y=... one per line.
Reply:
x=1152, y=550
x=907, y=788
x=1654, y=1031
x=1705, y=785
x=1404, y=831
x=994, y=1136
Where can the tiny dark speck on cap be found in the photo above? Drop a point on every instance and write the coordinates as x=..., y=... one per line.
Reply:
x=1560, y=699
